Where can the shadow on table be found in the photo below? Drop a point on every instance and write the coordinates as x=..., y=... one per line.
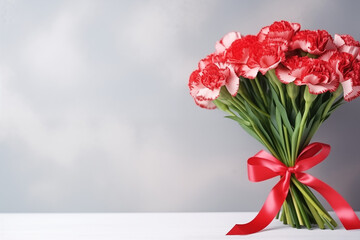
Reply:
x=287, y=226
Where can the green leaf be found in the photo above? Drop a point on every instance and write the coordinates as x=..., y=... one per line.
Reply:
x=312, y=125
x=239, y=120
x=316, y=104
x=220, y=105
x=275, y=133
x=279, y=122
x=247, y=128
x=272, y=113
x=335, y=105
x=320, y=110
x=308, y=126
x=258, y=124
x=252, y=133
x=278, y=141
x=294, y=138
x=283, y=113
x=293, y=115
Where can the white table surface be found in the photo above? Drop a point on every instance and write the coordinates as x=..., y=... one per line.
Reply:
x=128, y=226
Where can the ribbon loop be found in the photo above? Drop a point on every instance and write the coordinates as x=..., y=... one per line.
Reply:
x=264, y=166
x=312, y=155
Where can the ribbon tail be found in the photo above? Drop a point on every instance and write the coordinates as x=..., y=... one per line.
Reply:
x=341, y=207
x=268, y=211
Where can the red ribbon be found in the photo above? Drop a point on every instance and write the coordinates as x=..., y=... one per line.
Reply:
x=264, y=166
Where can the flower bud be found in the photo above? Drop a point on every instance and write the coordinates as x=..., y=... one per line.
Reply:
x=224, y=93
x=292, y=90
x=220, y=105
x=309, y=98
x=338, y=91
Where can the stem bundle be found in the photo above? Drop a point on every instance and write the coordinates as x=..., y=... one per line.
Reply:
x=284, y=118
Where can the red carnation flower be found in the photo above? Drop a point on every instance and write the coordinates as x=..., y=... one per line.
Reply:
x=194, y=82
x=249, y=56
x=206, y=81
x=348, y=70
x=279, y=31
x=314, y=42
x=317, y=74
x=240, y=49
x=351, y=84
x=262, y=59
x=341, y=62
x=346, y=43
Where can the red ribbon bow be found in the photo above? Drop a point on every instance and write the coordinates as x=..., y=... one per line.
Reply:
x=264, y=166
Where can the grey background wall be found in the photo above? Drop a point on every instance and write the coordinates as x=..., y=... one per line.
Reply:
x=95, y=113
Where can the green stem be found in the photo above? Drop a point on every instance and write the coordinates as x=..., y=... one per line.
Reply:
x=294, y=105
x=287, y=214
x=248, y=100
x=287, y=144
x=273, y=78
x=320, y=205
x=257, y=94
x=301, y=130
x=334, y=96
x=283, y=217
x=327, y=108
x=308, y=198
x=299, y=201
x=293, y=212
x=261, y=91
x=238, y=103
x=311, y=133
x=275, y=81
x=296, y=206
x=328, y=223
x=263, y=139
x=316, y=216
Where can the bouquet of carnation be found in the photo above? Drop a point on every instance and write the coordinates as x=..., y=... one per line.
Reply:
x=280, y=86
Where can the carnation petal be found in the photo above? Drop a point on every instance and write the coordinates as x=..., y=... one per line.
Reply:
x=263, y=32
x=351, y=91
x=204, y=62
x=193, y=90
x=268, y=62
x=311, y=78
x=296, y=26
x=229, y=38
x=353, y=50
x=316, y=89
x=219, y=48
x=283, y=75
x=232, y=83
x=302, y=44
x=298, y=72
x=226, y=41
x=327, y=55
x=330, y=45
x=248, y=72
x=205, y=104
x=353, y=94
x=208, y=94
x=347, y=87
x=338, y=41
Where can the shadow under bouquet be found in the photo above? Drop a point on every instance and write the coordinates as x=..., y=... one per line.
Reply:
x=280, y=86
